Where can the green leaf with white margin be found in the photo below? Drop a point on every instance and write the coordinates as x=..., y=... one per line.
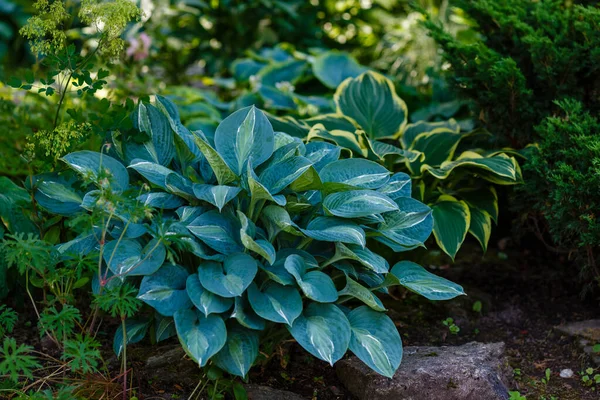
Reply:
x=355, y=172
x=414, y=130
x=358, y=291
x=259, y=246
x=355, y=141
x=358, y=203
x=204, y=300
x=244, y=136
x=481, y=226
x=201, y=337
x=315, y=285
x=333, y=229
x=364, y=256
x=136, y=331
x=485, y=199
x=381, y=150
x=223, y=173
x=500, y=169
x=323, y=330
x=165, y=290
x=437, y=146
x=417, y=279
x=219, y=231
x=371, y=100
x=240, y=350
x=217, y=195
x=94, y=165
x=127, y=257
x=333, y=122
x=451, y=221
x=277, y=303
x=230, y=279
x=375, y=340
x=333, y=67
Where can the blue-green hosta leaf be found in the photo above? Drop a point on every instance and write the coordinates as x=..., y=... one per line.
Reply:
x=180, y=185
x=278, y=271
x=375, y=340
x=154, y=173
x=413, y=130
x=244, y=136
x=500, y=169
x=398, y=186
x=358, y=291
x=223, y=173
x=354, y=141
x=230, y=279
x=90, y=164
x=322, y=153
x=201, y=337
x=206, y=301
x=165, y=290
x=127, y=257
x=451, y=221
x=358, y=203
x=239, y=352
x=315, y=285
x=245, y=315
x=356, y=172
x=371, y=100
x=220, y=232
x=333, y=67
x=277, y=219
x=323, y=330
x=156, y=125
x=57, y=198
x=243, y=68
x=258, y=191
x=259, y=246
x=333, y=229
x=407, y=228
x=417, y=279
x=366, y=257
x=275, y=302
x=136, y=331
x=278, y=176
x=217, y=195
x=164, y=328
x=276, y=99
x=289, y=71
x=161, y=200
x=481, y=226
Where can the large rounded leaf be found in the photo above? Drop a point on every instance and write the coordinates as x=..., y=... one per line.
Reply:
x=217, y=195
x=165, y=290
x=322, y=153
x=230, y=279
x=375, y=340
x=127, y=257
x=206, y=301
x=98, y=166
x=246, y=135
x=481, y=226
x=275, y=302
x=358, y=291
x=371, y=100
x=358, y=203
x=315, y=285
x=451, y=221
x=406, y=228
x=239, y=352
x=333, y=67
x=366, y=257
x=355, y=172
x=221, y=232
x=245, y=315
x=323, y=330
x=201, y=337
x=332, y=229
x=416, y=278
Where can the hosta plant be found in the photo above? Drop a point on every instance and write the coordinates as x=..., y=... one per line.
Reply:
x=371, y=122
x=232, y=238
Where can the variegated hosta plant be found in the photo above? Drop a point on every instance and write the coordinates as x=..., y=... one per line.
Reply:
x=247, y=232
x=371, y=122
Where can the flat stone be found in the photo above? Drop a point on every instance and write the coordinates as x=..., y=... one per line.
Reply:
x=473, y=371
x=589, y=329
x=259, y=392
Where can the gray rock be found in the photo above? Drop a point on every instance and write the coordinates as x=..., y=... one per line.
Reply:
x=589, y=329
x=473, y=371
x=258, y=392
x=166, y=358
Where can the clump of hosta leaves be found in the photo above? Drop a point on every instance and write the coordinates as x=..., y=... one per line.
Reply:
x=245, y=232
x=371, y=122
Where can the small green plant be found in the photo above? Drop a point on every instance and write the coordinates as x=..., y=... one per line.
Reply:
x=16, y=360
x=82, y=353
x=452, y=327
x=589, y=377
x=547, y=375
x=515, y=395
x=477, y=306
x=8, y=320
